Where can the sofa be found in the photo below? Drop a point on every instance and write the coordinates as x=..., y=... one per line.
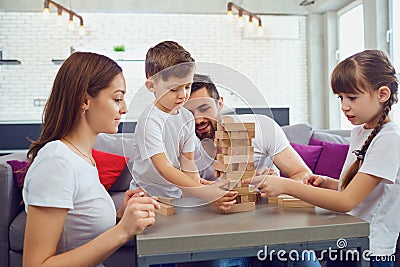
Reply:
x=12, y=214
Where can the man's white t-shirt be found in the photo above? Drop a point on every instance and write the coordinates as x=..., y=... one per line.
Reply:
x=159, y=132
x=269, y=140
x=59, y=178
x=381, y=207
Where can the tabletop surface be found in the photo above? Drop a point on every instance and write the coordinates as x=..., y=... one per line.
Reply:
x=205, y=228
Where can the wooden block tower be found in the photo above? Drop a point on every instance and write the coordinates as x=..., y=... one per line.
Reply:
x=235, y=161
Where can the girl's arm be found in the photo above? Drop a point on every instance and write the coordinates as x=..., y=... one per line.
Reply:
x=358, y=190
x=44, y=226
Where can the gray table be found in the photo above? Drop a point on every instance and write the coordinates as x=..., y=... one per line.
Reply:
x=194, y=234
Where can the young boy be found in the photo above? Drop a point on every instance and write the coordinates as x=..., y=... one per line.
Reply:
x=164, y=140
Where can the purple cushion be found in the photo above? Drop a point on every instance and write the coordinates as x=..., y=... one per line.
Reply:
x=309, y=153
x=332, y=158
x=19, y=169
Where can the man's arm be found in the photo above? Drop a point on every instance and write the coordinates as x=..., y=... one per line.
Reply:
x=291, y=164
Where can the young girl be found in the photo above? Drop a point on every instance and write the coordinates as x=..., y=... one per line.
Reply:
x=70, y=216
x=368, y=188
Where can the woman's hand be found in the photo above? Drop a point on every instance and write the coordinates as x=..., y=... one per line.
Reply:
x=139, y=213
x=138, y=192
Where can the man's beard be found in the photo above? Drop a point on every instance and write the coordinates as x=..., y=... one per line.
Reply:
x=209, y=134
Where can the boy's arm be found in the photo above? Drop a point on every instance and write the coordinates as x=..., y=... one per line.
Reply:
x=171, y=174
x=188, y=166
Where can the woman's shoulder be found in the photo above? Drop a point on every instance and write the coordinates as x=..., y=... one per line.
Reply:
x=54, y=151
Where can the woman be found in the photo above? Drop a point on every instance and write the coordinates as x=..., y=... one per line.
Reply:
x=70, y=216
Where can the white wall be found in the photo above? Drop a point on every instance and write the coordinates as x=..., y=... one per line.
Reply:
x=277, y=66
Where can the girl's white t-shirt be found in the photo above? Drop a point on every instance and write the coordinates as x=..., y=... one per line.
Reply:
x=381, y=207
x=59, y=178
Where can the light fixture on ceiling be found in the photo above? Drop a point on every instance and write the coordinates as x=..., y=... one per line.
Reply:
x=306, y=2
x=241, y=21
x=60, y=9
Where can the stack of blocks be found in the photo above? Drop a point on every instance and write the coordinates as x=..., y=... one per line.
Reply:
x=289, y=202
x=235, y=161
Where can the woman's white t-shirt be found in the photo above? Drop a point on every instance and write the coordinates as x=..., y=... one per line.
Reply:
x=59, y=178
x=381, y=207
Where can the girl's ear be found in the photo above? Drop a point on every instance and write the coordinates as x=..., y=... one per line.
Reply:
x=150, y=85
x=86, y=102
x=383, y=94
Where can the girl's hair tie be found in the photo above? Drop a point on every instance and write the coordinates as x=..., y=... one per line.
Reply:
x=359, y=154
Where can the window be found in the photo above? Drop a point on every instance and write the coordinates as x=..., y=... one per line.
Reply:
x=351, y=38
x=394, y=47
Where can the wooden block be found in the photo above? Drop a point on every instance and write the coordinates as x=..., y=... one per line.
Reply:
x=272, y=200
x=217, y=173
x=242, y=207
x=245, y=199
x=224, y=159
x=234, y=135
x=236, y=126
x=235, y=175
x=232, y=143
x=234, y=166
x=165, y=209
x=166, y=200
x=296, y=203
x=233, y=185
x=239, y=150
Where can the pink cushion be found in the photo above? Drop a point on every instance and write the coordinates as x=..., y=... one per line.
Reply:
x=19, y=169
x=309, y=154
x=332, y=158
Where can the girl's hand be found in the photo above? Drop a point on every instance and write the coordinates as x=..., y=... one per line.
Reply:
x=315, y=180
x=138, y=192
x=269, y=185
x=139, y=213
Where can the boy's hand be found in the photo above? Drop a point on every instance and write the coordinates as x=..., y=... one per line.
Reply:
x=206, y=182
x=225, y=203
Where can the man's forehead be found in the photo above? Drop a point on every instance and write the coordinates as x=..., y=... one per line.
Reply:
x=199, y=102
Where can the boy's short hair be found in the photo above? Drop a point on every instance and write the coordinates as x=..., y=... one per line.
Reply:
x=165, y=55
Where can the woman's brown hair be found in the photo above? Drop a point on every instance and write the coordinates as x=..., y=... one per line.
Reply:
x=82, y=73
x=363, y=72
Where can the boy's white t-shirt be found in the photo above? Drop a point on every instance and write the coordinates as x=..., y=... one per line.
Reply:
x=159, y=132
x=269, y=140
x=381, y=207
x=59, y=178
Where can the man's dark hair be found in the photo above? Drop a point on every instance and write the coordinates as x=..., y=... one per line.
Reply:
x=200, y=81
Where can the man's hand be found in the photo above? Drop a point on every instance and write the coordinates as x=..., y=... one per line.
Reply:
x=264, y=170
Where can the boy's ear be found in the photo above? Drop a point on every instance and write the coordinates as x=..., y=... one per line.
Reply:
x=150, y=85
x=383, y=94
